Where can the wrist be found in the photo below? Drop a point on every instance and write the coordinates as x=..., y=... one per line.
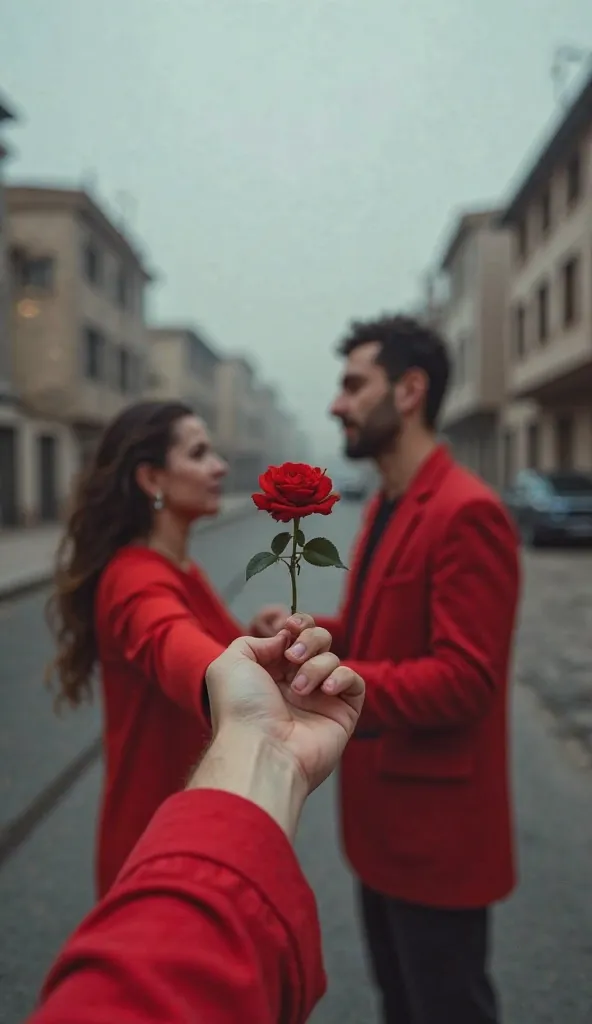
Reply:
x=244, y=761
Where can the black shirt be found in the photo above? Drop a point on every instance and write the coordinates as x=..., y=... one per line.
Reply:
x=381, y=520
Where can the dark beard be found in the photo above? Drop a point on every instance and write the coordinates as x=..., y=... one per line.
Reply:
x=377, y=434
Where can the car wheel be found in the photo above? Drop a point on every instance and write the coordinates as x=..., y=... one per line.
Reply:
x=530, y=536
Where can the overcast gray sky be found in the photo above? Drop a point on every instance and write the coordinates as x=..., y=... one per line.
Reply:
x=293, y=162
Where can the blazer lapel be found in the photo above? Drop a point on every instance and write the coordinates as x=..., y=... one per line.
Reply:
x=404, y=522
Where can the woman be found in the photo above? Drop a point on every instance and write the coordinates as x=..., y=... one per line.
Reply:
x=128, y=597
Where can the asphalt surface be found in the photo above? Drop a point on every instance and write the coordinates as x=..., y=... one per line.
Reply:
x=543, y=940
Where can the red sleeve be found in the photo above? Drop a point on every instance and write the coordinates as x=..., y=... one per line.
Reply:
x=473, y=599
x=210, y=920
x=146, y=616
x=335, y=628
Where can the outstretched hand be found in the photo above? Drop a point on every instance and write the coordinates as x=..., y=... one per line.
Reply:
x=256, y=684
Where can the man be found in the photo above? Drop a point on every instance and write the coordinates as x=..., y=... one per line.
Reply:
x=428, y=619
x=211, y=918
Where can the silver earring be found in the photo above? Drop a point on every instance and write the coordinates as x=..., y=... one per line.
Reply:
x=158, y=503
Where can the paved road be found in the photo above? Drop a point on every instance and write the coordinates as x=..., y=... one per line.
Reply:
x=544, y=934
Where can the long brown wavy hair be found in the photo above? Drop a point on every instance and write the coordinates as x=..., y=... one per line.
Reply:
x=109, y=510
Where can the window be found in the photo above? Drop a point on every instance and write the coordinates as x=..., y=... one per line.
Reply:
x=546, y=212
x=94, y=354
x=38, y=273
x=93, y=263
x=564, y=442
x=521, y=240
x=543, y=313
x=571, y=286
x=574, y=179
x=520, y=331
x=124, y=367
x=122, y=288
x=533, y=446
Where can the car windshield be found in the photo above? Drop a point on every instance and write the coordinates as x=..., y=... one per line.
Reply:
x=570, y=483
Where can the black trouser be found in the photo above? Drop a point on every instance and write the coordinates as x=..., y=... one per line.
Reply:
x=431, y=965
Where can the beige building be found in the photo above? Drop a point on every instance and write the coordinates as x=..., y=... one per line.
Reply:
x=6, y=116
x=476, y=266
x=240, y=433
x=183, y=366
x=547, y=423
x=79, y=342
x=8, y=412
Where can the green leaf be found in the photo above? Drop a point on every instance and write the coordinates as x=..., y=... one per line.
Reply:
x=300, y=538
x=260, y=562
x=323, y=553
x=280, y=543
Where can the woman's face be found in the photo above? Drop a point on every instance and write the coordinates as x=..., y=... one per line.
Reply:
x=191, y=482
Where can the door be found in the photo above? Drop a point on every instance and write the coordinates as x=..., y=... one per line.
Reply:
x=564, y=442
x=48, y=499
x=8, y=503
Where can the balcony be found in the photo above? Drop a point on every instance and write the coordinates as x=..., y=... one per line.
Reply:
x=561, y=371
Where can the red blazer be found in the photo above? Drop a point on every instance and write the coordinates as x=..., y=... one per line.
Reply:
x=158, y=629
x=210, y=920
x=424, y=783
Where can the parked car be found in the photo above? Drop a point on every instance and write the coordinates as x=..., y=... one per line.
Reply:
x=551, y=507
x=352, y=488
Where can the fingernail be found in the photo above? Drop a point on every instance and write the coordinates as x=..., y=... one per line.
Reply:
x=300, y=682
x=329, y=685
x=298, y=650
x=296, y=620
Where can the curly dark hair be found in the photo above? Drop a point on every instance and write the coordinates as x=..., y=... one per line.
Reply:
x=109, y=510
x=405, y=343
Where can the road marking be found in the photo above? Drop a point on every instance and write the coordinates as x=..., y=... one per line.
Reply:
x=13, y=835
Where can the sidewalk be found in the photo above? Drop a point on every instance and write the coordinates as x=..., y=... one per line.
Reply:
x=27, y=556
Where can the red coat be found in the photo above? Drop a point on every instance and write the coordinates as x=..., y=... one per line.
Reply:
x=158, y=629
x=424, y=783
x=210, y=920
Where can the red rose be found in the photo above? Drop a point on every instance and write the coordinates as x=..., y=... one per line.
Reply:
x=295, y=490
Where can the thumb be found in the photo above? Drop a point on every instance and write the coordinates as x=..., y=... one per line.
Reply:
x=264, y=650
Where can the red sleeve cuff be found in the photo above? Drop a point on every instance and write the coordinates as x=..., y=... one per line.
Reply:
x=239, y=836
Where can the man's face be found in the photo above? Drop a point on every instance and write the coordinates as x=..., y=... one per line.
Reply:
x=366, y=405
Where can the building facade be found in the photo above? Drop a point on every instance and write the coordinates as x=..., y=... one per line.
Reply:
x=8, y=412
x=79, y=342
x=183, y=366
x=6, y=388
x=240, y=426
x=547, y=422
x=476, y=267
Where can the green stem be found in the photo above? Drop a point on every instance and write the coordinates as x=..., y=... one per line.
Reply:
x=293, y=564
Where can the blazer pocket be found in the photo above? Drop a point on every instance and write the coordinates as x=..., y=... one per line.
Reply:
x=431, y=757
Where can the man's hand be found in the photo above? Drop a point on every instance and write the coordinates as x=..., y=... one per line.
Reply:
x=269, y=620
x=254, y=691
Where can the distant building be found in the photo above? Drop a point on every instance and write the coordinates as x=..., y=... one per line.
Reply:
x=240, y=428
x=183, y=365
x=8, y=414
x=273, y=426
x=6, y=389
x=79, y=341
x=476, y=265
x=548, y=417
